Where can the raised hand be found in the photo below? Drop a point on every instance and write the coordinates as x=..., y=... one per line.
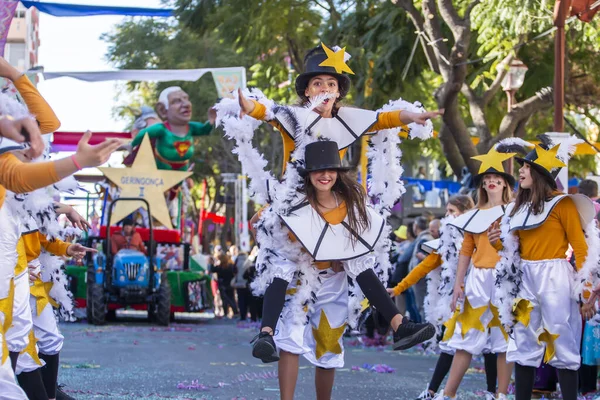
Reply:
x=408, y=117
x=94, y=155
x=494, y=233
x=78, y=251
x=21, y=131
x=247, y=106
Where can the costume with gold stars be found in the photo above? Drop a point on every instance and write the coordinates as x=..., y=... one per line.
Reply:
x=478, y=327
x=537, y=287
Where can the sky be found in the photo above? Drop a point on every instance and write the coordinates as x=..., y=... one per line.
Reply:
x=73, y=44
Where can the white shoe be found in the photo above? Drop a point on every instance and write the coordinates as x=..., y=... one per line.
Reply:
x=441, y=396
x=490, y=396
x=425, y=395
x=502, y=396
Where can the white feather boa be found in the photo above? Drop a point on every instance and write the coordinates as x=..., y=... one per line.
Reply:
x=589, y=275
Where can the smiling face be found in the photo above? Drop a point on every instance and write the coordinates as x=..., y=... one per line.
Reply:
x=180, y=108
x=493, y=183
x=324, y=180
x=525, y=180
x=323, y=84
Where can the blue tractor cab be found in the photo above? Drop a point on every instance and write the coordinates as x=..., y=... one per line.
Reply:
x=128, y=278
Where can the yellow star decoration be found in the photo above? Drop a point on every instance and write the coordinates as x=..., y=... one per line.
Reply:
x=493, y=159
x=547, y=158
x=495, y=322
x=522, y=310
x=364, y=305
x=31, y=348
x=327, y=338
x=6, y=307
x=143, y=179
x=470, y=318
x=549, y=339
x=450, y=325
x=335, y=59
x=4, y=350
x=41, y=291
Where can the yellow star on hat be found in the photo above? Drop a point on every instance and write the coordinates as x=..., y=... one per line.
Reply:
x=547, y=159
x=41, y=291
x=6, y=307
x=31, y=348
x=549, y=339
x=327, y=338
x=335, y=59
x=144, y=180
x=470, y=318
x=493, y=159
x=522, y=310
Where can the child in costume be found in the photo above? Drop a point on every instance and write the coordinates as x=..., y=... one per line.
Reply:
x=440, y=268
x=475, y=327
x=538, y=289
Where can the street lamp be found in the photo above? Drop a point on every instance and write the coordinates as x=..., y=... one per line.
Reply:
x=513, y=80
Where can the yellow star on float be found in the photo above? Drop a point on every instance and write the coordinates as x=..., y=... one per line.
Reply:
x=41, y=291
x=327, y=338
x=335, y=59
x=493, y=159
x=144, y=180
x=6, y=307
x=549, y=339
x=522, y=311
x=450, y=325
x=547, y=158
x=31, y=348
x=495, y=322
x=470, y=318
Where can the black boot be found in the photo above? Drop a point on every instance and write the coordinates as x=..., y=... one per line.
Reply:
x=408, y=333
x=50, y=373
x=61, y=395
x=263, y=347
x=32, y=385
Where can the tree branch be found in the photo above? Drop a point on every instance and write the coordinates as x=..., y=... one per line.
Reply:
x=470, y=8
x=521, y=111
x=497, y=83
x=477, y=111
x=321, y=5
x=450, y=16
x=433, y=27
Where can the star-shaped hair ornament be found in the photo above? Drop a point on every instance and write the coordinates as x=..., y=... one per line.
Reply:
x=336, y=60
x=493, y=159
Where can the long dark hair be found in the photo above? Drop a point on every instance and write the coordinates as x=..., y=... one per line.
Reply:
x=351, y=192
x=539, y=192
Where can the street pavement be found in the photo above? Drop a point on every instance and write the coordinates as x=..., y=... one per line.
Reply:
x=211, y=359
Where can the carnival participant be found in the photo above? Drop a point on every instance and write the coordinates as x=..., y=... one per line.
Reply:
x=174, y=145
x=324, y=77
x=475, y=326
x=446, y=248
x=335, y=199
x=534, y=274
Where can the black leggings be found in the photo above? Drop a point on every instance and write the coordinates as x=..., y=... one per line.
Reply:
x=525, y=378
x=445, y=362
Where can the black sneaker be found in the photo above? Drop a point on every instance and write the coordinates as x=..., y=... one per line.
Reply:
x=264, y=348
x=410, y=334
x=61, y=395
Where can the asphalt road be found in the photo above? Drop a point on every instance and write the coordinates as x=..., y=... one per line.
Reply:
x=210, y=359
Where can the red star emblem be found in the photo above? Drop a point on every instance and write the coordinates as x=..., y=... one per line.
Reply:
x=182, y=147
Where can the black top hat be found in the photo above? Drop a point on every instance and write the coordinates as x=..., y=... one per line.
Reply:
x=549, y=172
x=322, y=155
x=312, y=60
x=508, y=177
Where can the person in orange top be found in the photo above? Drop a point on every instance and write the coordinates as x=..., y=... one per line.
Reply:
x=457, y=205
x=127, y=239
x=475, y=327
x=536, y=233
x=344, y=125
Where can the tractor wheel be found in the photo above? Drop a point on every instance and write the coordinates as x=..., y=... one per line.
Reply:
x=97, y=303
x=89, y=282
x=162, y=304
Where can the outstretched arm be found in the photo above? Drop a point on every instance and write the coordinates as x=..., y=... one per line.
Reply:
x=430, y=263
x=154, y=131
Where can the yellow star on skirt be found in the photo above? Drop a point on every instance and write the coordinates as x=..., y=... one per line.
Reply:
x=522, y=310
x=549, y=339
x=470, y=318
x=41, y=291
x=450, y=325
x=495, y=322
x=31, y=348
x=4, y=350
x=6, y=307
x=327, y=338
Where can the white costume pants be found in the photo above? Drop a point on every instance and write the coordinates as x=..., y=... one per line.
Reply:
x=17, y=336
x=479, y=293
x=549, y=319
